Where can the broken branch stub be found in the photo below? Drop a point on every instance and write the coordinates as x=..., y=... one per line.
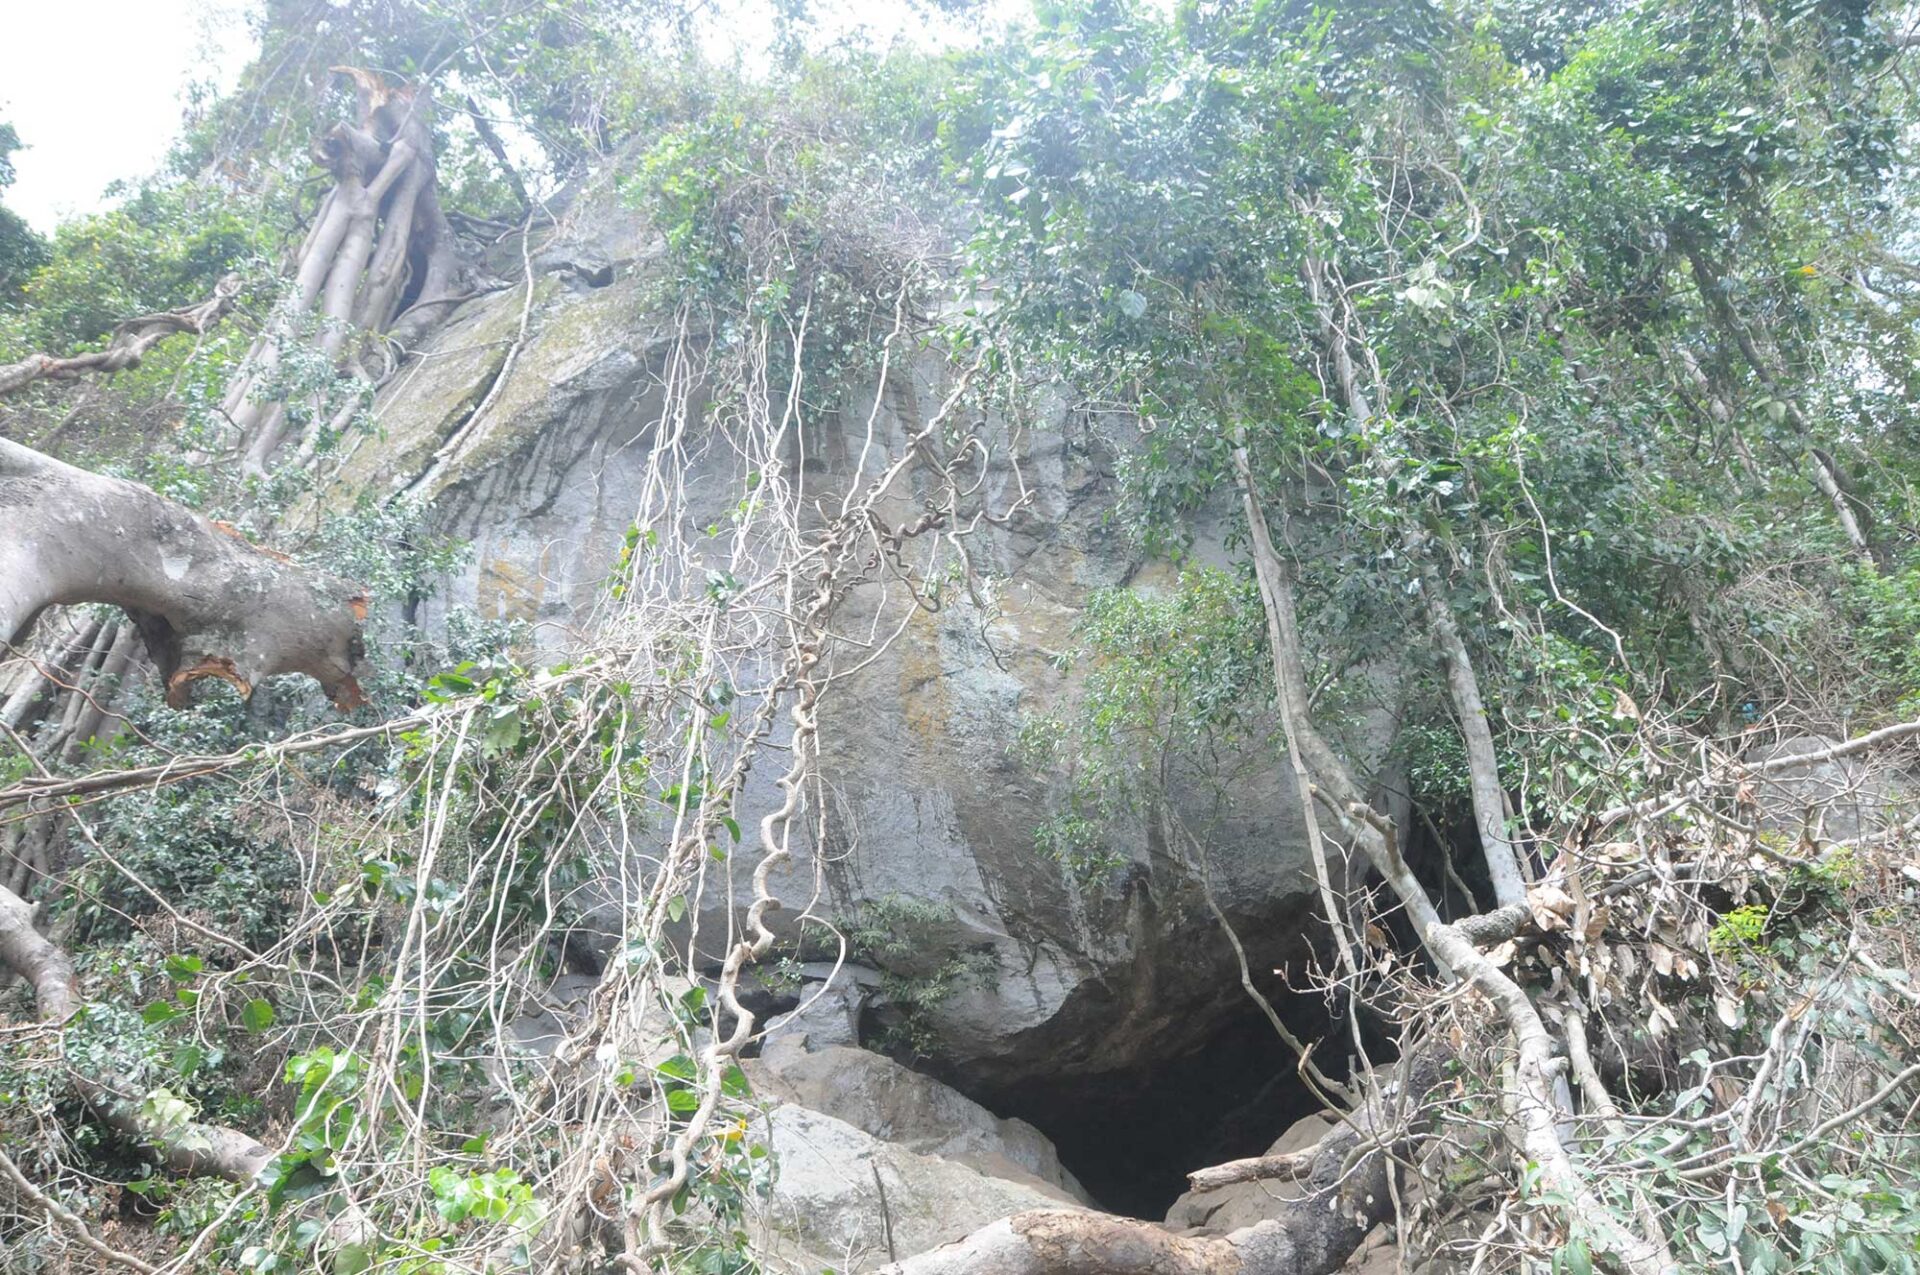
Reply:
x=206, y=602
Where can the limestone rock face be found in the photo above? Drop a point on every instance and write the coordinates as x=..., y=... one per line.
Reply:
x=846, y=1199
x=931, y=836
x=880, y=1097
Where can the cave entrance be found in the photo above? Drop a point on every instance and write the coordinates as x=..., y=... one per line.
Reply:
x=1132, y=1136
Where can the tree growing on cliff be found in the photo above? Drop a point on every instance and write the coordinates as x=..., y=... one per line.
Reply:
x=279, y=859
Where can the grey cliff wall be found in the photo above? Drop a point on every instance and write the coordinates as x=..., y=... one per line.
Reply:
x=931, y=808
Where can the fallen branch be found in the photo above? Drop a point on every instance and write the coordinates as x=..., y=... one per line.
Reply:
x=69, y=1219
x=1674, y=799
x=130, y=343
x=188, y=1147
x=1262, y=1168
x=179, y=769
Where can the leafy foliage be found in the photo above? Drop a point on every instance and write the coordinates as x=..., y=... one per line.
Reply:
x=22, y=251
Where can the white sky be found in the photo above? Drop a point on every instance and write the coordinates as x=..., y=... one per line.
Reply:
x=96, y=87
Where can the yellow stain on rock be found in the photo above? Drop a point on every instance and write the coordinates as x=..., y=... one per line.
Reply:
x=508, y=591
x=923, y=687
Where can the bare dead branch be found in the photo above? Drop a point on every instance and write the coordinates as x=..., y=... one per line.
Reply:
x=1262, y=1168
x=131, y=341
x=69, y=1219
x=1675, y=799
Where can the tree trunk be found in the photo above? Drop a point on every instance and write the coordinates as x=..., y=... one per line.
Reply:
x=207, y=603
x=1534, y=1133
x=379, y=225
x=1483, y=763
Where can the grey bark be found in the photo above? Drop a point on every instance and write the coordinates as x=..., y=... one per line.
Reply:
x=129, y=344
x=206, y=603
x=28, y=698
x=381, y=220
x=1489, y=804
x=1534, y=1132
x=190, y=1147
x=1483, y=763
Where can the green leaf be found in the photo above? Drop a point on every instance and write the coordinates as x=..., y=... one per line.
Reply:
x=163, y=1111
x=502, y=732
x=160, y=1012
x=257, y=1015
x=352, y=1259
x=1574, y=1258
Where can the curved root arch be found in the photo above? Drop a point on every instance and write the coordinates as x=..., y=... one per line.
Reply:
x=379, y=242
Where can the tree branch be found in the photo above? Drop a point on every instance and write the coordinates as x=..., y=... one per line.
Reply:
x=1263, y=1168
x=207, y=603
x=189, y=1147
x=1674, y=799
x=130, y=343
x=491, y=139
x=1483, y=763
x=69, y=1219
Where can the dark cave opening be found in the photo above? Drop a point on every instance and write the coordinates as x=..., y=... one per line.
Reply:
x=1132, y=1136
x=1229, y=1088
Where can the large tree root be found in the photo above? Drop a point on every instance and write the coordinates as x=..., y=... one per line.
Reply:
x=206, y=603
x=380, y=237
